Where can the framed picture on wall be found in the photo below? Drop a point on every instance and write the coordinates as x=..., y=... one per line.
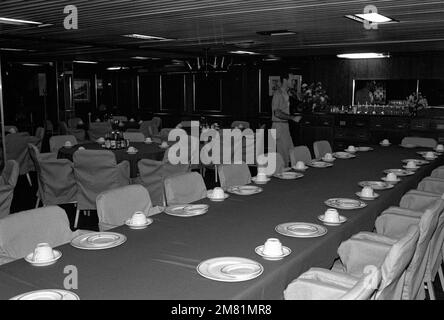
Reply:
x=82, y=90
x=274, y=83
x=296, y=83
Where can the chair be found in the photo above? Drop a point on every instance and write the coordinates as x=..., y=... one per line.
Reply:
x=134, y=136
x=438, y=173
x=8, y=181
x=57, y=142
x=116, y=206
x=98, y=130
x=152, y=175
x=73, y=122
x=390, y=255
x=22, y=231
x=430, y=184
x=240, y=124
x=11, y=129
x=96, y=171
x=321, y=148
x=419, y=142
x=17, y=149
x=269, y=169
x=56, y=182
x=184, y=188
x=78, y=133
x=231, y=175
x=149, y=128
x=40, y=135
x=157, y=122
x=300, y=153
x=322, y=284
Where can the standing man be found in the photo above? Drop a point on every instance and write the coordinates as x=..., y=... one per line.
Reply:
x=281, y=115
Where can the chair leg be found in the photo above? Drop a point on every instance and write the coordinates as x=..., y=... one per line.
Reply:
x=37, y=203
x=76, y=221
x=441, y=277
x=29, y=179
x=431, y=290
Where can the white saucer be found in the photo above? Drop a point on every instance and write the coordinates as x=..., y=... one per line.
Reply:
x=132, y=152
x=320, y=164
x=415, y=168
x=254, y=179
x=210, y=194
x=294, y=168
x=138, y=226
x=342, y=219
x=286, y=251
x=245, y=190
x=180, y=210
x=391, y=181
x=385, y=145
x=289, y=175
x=375, y=196
x=328, y=160
x=57, y=256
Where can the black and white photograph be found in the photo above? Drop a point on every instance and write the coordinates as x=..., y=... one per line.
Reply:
x=222, y=158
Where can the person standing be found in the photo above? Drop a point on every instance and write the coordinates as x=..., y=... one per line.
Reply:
x=280, y=116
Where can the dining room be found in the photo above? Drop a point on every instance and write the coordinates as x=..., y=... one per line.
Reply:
x=189, y=151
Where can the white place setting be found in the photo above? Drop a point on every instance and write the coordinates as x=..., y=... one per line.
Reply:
x=400, y=172
x=343, y=155
x=47, y=294
x=367, y=193
x=328, y=157
x=391, y=178
x=301, y=230
x=300, y=166
x=417, y=162
x=289, y=175
x=411, y=165
x=332, y=218
x=43, y=255
x=187, y=210
x=132, y=150
x=164, y=145
x=272, y=250
x=98, y=240
x=245, y=190
x=320, y=164
x=439, y=148
x=351, y=149
x=138, y=221
x=345, y=204
x=67, y=144
x=385, y=143
x=260, y=178
x=217, y=194
x=376, y=185
x=230, y=269
x=148, y=140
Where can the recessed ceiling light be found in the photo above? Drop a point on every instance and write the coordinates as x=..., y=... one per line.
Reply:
x=243, y=52
x=368, y=55
x=146, y=37
x=18, y=21
x=276, y=33
x=85, y=62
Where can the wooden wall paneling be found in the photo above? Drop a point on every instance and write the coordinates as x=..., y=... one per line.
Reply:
x=173, y=93
x=150, y=92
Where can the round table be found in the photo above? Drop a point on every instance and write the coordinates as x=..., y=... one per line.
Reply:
x=145, y=151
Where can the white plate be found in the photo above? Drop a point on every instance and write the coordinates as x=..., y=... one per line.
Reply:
x=399, y=172
x=210, y=196
x=375, y=196
x=343, y=155
x=328, y=160
x=413, y=169
x=350, y=151
x=285, y=252
x=418, y=162
x=50, y=294
x=342, y=219
x=376, y=185
x=98, y=240
x=30, y=258
x=138, y=226
x=289, y=175
x=385, y=145
x=301, y=230
x=320, y=164
x=183, y=210
x=391, y=182
x=245, y=190
x=364, y=149
x=254, y=179
x=230, y=269
x=345, y=204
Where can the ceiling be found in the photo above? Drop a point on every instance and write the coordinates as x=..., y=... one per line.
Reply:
x=217, y=26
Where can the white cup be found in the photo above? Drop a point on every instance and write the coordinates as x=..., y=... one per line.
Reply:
x=218, y=193
x=97, y=120
x=272, y=247
x=68, y=144
x=80, y=123
x=43, y=252
x=300, y=165
x=138, y=218
x=411, y=165
x=331, y=215
x=148, y=139
x=132, y=120
x=440, y=148
x=385, y=142
x=367, y=192
x=164, y=144
x=328, y=156
x=131, y=149
x=391, y=177
x=430, y=155
x=351, y=149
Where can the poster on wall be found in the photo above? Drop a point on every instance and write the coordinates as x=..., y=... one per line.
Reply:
x=274, y=83
x=82, y=90
x=296, y=84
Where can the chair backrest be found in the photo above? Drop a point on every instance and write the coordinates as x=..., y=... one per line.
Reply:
x=17, y=149
x=157, y=122
x=164, y=133
x=394, y=267
x=420, y=142
x=57, y=142
x=22, y=231
x=430, y=184
x=438, y=173
x=73, y=122
x=240, y=124
x=321, y=148
x=184, y=188
x=152, y=175
x=134, y=136
x=366, y=286
x=63, y=128
x=98, y=129
x=116, y=206
x=149, y=128
x=40, y=134
x=49, y=126
x=96, y=171
x=263, y=161
x=8, y=180
x=231, y=175
x=300, y=153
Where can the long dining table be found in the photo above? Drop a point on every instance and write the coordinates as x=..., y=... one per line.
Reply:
x=160, y=262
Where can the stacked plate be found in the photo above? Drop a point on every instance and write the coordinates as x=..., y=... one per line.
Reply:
x=320, y=164
x=187, y=210
x=245, y=190
x=289, y=175
x=301, y=230
x=50, y=294
x=98, y=240
x=399, y=172
x=376, y=185
x=343, y=155
x=345, y=204
x=230, y=269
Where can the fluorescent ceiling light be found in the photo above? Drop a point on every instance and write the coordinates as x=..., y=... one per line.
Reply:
x=368, y=55
x=17, y=21
x=276, y=33
x=374, y=17
x=12, y=49
x=145, y=37
x=243, y=52
x=85, y=62
x=32, y=64
x=141, y=58
x=116, y=68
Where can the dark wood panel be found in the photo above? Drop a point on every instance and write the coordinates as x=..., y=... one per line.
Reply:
x=150, y=92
